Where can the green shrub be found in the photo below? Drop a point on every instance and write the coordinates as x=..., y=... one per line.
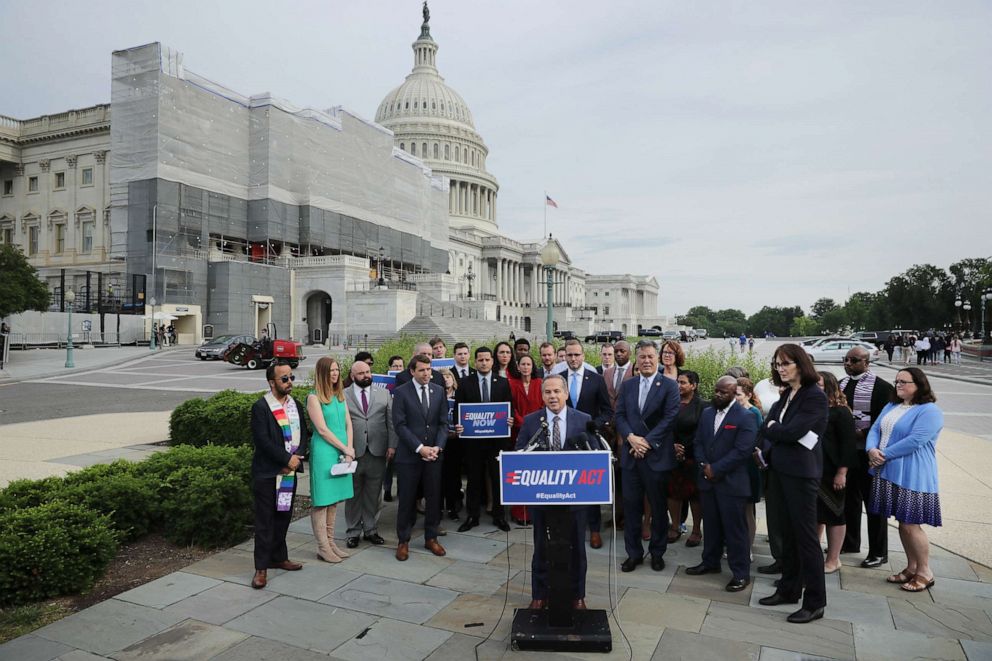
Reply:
x=206, y=507
x=714, y=363
x=185, y=423
x=158, y=467
x=22, y=494
x=130, y=502
x=99, y=472
x=52, y=549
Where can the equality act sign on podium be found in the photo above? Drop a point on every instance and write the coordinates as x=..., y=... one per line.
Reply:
x=556, y=478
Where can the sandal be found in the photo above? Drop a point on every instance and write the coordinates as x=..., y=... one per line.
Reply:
x=673, y=535
x=902, y=577
x=918, y=584
x=694, y=540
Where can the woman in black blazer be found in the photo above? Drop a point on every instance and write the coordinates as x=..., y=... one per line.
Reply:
x=839, y=454
x=799, y=416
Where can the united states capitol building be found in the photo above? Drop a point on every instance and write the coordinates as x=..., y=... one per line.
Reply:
x=235, y=211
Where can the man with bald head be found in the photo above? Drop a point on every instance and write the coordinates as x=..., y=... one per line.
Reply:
x=725, y=439
x=421, y=349
x=867, y=395
x=371, y=411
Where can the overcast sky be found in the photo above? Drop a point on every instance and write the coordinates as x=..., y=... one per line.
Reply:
x=743, y=153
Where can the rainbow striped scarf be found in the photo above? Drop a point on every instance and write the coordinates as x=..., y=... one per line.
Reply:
x=290, y=427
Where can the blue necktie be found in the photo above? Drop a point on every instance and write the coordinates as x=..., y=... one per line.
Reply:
x=574, y=388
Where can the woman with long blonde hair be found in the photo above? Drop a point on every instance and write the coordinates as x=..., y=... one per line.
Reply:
x=331, y=444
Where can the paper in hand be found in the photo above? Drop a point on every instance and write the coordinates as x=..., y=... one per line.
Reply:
x=809, y=441
x=343, y=468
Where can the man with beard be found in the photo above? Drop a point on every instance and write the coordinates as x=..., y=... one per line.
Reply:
x=867, y=395
x=371, y=411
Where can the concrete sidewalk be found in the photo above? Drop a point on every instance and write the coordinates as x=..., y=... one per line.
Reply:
x=45, y=363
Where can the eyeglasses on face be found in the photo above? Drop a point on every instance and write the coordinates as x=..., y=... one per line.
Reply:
x=900, y=382
x=854, y=360
x=778, y=366
x=667, y=353
x=288, y=378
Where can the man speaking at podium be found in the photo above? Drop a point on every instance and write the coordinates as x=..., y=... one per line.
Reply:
x=564, y=426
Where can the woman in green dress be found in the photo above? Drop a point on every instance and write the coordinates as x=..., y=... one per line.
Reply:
x=330, y=444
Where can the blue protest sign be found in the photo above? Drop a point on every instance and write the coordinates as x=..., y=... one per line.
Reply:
x=384, y=382
x=556, y=478
x=490, y=420
x=439, y=363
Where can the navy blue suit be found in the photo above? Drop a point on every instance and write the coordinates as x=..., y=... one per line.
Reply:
x=481, y=454
x=724, y=498
x=797, y=472
x=594, y=401
x=414, y=429
x=575, y=424
x=647, y=476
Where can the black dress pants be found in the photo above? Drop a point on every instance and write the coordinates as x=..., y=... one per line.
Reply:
x=858, y=492
x=270, y=525
x=802, y=556
x=482, y=461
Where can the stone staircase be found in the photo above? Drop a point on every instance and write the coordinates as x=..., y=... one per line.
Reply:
x=454, y=324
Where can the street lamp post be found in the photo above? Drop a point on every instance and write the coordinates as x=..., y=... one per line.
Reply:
x=966, y=306
x=70, y=298
x=550, y=256
x=469, y=277
x=957, y=312
x=151, y=344
x=382, y=258
x=986, y=297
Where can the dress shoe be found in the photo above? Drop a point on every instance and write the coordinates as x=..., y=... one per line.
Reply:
x=287, y=565
x=258, y=582
x=595, y=540
x=374, y=538
x=737, y=584
x=802, y=616
x=502, y=524
x=351, y=542
x=630, y=563
x=538, y=604
x=470, y=523
x=774, y=568
x=702, y=569
x=579, y=605
x=434, y=547
x=402, y=551
x=873, y=561
x=776, y=599
x=387, y=496
x=657, y=562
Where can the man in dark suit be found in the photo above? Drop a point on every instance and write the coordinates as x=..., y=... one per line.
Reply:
x=454, y=453
x=547, y=353
x=564, y=423
x=420, y=418
x=614, y=376
x=371, y=411
x=277, y=454
x=485, y=386
x=724, y=444
x=462, y=369
x=867, y=395
x=645, y=419
x=587, y=393
x=606, y=357
x=421, y=349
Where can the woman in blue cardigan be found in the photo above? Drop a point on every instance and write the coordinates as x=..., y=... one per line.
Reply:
x=901, y=452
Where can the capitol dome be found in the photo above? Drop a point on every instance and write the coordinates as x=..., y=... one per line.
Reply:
x=432, y=121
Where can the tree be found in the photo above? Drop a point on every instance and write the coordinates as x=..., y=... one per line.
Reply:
x=803, y=327
x=21, y=290
x=774, y=320
x=921, y=298
x=822, y=307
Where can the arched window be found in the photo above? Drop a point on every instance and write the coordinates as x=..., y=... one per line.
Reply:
x=423, y=150
x=473, y=157
x=413, y=148
x=447, y=152
x=433, y=105
x=403, y=146
x=456, y=154
x=437, y=151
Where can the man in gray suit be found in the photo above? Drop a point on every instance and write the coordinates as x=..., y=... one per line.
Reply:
x=371, y=411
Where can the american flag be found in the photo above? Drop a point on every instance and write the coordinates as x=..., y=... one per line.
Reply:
x=549, y=201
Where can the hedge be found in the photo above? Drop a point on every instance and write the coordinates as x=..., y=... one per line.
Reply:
x=58, y=534
x=222, y=419
x=52, y=549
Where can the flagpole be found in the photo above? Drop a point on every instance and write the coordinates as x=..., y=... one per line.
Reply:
x=545, y=213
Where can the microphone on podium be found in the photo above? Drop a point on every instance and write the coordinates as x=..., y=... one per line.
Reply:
x=594, y=432
x=539, y=439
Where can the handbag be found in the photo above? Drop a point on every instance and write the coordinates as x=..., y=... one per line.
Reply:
x=834, y=500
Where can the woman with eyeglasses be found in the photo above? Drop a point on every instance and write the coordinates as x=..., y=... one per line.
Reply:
x=672, y=358
x=902, y=454
x=330, y=444
x=790, y=444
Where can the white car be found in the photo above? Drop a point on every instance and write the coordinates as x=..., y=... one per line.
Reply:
x=834, y=351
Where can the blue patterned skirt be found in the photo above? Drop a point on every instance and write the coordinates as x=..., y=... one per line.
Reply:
x=907, y=506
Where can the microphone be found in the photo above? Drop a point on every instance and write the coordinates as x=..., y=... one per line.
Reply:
x=539, y=438
x=594, y=432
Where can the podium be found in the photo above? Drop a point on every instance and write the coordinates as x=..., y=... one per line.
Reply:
x=558, y=482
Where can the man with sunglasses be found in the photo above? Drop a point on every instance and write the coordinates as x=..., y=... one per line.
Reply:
x=867, y=395
x=281, y=438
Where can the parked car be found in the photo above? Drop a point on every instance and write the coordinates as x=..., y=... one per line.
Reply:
x=834, y=351
x=701, y=333
x=602, y=337
x=564, y=334
x=877, y=338
x=650, y=332
x=817, y=341
x=670, y=335
x=683, y=336
x=215, y=348
x=691, y=333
